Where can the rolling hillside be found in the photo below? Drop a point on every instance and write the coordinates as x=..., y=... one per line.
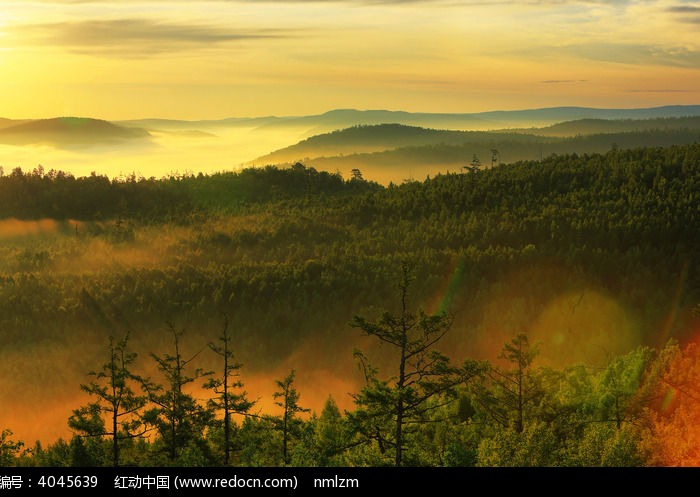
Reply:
x=68, y=131
x=394, y=152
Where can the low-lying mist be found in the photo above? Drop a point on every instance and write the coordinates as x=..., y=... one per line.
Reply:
x=576, y=322
x=165, y=153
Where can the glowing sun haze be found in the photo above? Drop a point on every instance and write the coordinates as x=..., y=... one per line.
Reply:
x=214, y=59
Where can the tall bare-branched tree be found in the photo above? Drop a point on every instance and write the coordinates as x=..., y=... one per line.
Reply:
x=230, y=398
x=424, y=379
x=117, y=411
x=179, y=418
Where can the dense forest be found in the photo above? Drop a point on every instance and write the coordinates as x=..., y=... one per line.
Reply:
x=535, y=313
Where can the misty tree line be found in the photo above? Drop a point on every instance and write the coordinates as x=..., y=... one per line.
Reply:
x=640, y=409
x=40, y=193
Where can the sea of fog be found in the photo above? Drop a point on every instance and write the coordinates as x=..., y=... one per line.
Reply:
x=166, y=153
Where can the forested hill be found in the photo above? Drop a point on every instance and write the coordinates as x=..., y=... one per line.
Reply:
x=594, y=257
x=601, y=126
x=395, y=152
x=591, y=180
x=380, y=137
x=640, y=201
x=53, y=194
x=66, y=131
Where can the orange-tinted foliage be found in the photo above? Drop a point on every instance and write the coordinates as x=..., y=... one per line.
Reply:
x=675, y=429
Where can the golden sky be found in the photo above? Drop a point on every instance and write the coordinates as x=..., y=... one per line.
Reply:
x=193, y=59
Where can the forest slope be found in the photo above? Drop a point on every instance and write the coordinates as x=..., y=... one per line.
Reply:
x=592, y=255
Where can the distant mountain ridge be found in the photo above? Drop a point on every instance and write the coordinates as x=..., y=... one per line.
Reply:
x=337, y=119
x=480, y=121
x=575, y=113
x=280, y=135
x=593, y=126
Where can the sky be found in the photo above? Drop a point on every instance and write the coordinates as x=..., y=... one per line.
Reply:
x=198, y=59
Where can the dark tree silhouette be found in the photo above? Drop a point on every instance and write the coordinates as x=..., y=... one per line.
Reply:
x=506, y=393
x=230, y=397
x=117, y=400
x=288, y=423
x=178, y=417
x=423, y=373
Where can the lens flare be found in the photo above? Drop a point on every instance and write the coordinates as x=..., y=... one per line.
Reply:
x=674, y=306
x=442, y=302
x=668, y=400
x=583, y=327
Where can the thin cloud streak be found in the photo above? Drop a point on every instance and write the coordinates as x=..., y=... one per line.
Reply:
x=687, y=14
x=684, y=9
x=106, y=32
x=661, y=90
x=140, y=35
x=562, y=81
x=633, y=54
